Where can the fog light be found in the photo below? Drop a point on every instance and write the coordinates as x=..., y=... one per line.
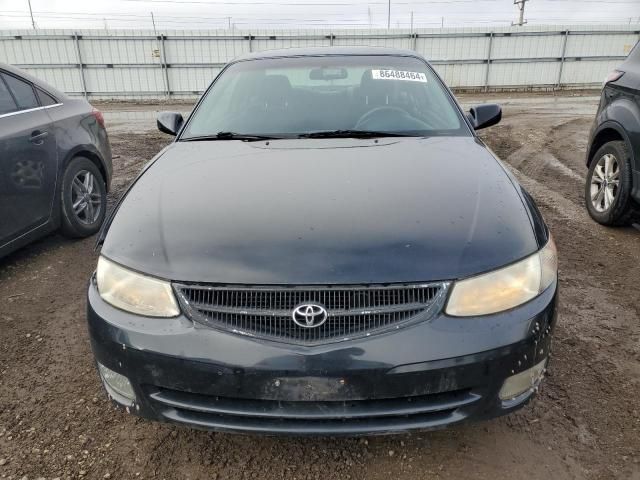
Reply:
x=117, y=385
x=523, y=381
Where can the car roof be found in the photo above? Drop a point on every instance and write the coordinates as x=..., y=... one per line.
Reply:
x=35, y=80
x=327, y=51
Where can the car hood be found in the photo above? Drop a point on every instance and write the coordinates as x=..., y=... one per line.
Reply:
x=322, y=211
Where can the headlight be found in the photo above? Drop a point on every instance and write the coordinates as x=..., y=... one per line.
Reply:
x=135, y=292
x=507, y=287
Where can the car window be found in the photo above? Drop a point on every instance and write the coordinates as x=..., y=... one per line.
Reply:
x=22, y=92
x=7, y=105
x=45, y=98
x=301, y=95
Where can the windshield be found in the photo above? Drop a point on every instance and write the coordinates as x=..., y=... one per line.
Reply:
x=289, y=97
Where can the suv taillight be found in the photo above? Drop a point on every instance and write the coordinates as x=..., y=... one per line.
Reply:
x=613, y=76
x=99, y=117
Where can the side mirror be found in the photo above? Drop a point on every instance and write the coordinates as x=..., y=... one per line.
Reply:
x=486, y=115
x=170, y=122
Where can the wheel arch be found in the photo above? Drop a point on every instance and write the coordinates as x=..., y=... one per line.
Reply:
x=609, y=132
x=91, y=154
x=621, y=118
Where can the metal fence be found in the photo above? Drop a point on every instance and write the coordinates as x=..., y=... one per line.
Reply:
x=145, y=64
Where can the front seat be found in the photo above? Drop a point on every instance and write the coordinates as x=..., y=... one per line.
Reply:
x=373, y=93
x=270, y=106
x=277, y=92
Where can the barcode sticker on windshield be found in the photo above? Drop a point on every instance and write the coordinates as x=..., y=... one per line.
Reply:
x=398, y=75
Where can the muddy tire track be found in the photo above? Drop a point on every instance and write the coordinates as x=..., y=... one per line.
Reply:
x=591, y=396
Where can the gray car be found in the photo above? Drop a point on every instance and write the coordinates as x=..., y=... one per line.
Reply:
x=55, y=162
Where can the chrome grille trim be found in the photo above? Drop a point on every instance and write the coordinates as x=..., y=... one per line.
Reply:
x=353, y=310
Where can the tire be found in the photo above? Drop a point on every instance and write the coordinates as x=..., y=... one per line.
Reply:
x=607, y=194
x=84, y=186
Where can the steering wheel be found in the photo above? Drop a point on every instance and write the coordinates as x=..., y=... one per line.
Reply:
x=389, y=118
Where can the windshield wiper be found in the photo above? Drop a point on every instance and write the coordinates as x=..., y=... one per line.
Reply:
x=247, y=137
x=351, y=134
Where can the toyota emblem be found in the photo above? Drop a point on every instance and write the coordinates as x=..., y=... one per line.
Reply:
x=309, y=315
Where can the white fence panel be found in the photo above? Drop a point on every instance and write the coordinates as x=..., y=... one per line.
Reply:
x=523, y=74
x=65, y=79
x=146, y=64
x=191, y=80
x=49, y=51
x=186, y=51
x=118, y=51
x=453, y=48
x=374, y=41
x=125, y=81
x=463, y=75
x=600, y=45
x=587, y=73
x=541, y=46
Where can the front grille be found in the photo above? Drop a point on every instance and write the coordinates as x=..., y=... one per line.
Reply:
x=352, y=311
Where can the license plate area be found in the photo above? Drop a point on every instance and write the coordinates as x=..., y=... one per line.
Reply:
x=310, y=389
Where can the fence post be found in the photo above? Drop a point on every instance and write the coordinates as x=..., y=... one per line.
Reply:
x=562, y=56
x=163, y=65
x=250, y=42
x=76, y=40
x=486, y=73
x=415, y=41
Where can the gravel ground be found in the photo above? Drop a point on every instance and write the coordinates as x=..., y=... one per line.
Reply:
x=55, y=420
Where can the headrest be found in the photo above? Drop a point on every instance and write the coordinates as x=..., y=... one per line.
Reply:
x=377, y=89
x=276, y=83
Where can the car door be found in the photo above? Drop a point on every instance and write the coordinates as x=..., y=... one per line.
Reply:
x=28, y=159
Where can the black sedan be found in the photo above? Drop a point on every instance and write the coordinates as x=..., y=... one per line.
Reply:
x=327, y=248
x=55, y=162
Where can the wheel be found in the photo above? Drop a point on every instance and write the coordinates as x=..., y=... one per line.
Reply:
x=608, y=187
x=84, y=198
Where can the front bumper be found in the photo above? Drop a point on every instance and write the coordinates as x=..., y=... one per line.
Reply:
x=428, y=375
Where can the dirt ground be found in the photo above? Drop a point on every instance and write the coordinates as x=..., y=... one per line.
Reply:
x=56, y=422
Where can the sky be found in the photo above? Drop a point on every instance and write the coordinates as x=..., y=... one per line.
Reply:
x=257, y=14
